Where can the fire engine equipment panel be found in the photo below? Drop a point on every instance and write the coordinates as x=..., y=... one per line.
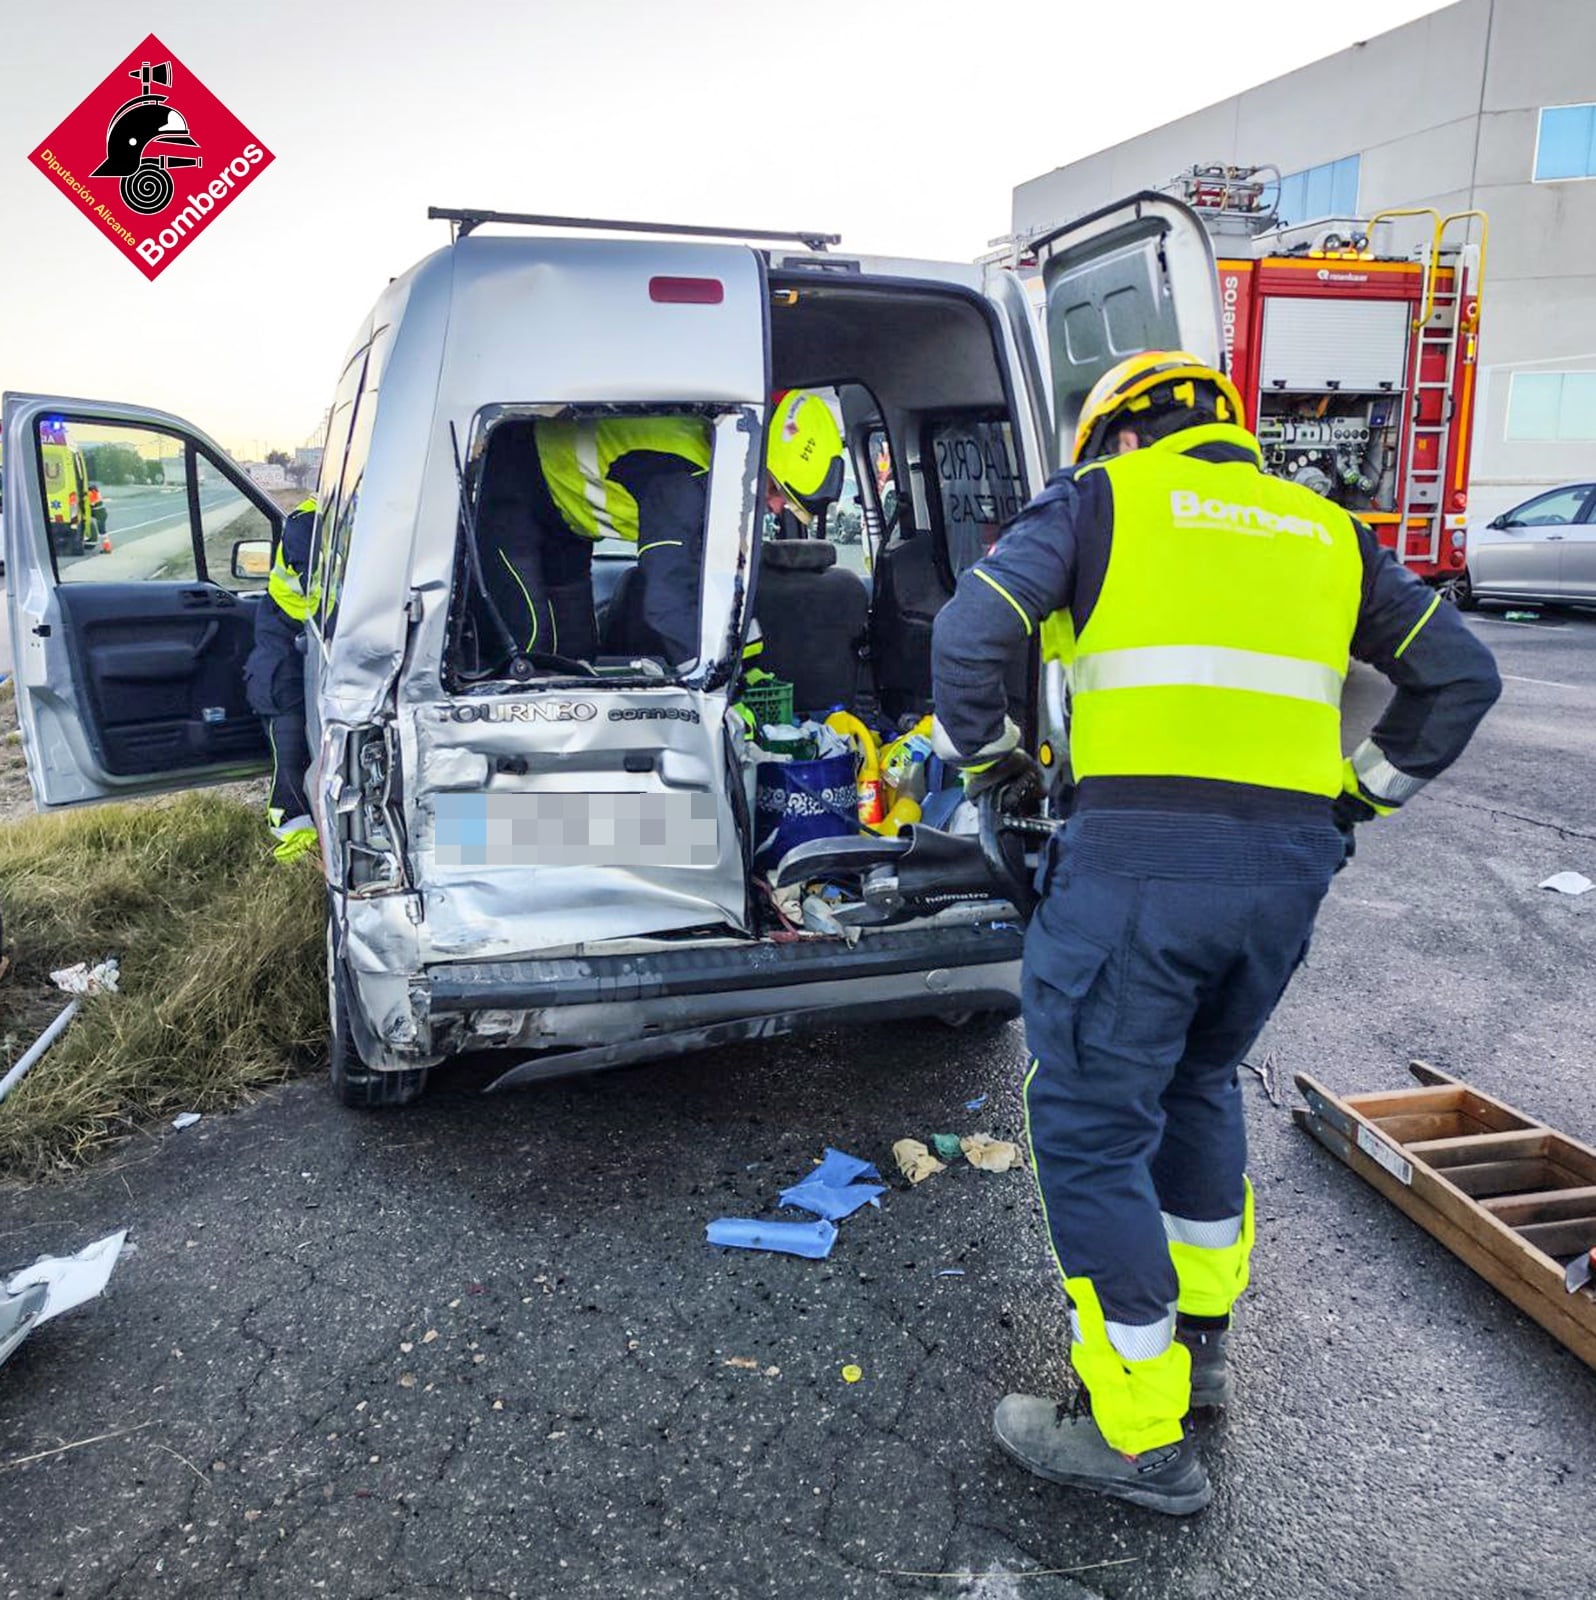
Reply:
x=1331, y=378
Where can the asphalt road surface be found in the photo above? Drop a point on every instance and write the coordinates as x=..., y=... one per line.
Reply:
x=148, y=527
x=481, y=1348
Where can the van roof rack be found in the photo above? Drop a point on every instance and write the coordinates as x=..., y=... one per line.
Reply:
x=464, y=220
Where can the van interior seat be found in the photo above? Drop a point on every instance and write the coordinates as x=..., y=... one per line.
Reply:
x=814, y=617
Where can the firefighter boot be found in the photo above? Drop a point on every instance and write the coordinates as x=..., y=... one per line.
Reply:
x=1059, y=1441
x=1205, y=1337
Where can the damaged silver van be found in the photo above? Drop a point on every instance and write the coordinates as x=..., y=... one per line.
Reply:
x=547, y=844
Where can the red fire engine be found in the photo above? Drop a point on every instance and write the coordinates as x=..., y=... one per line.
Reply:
x=1357, y=367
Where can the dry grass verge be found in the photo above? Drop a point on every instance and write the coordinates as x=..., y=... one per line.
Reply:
x=221, y=949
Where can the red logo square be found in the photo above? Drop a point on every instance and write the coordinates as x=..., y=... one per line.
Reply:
x=154, y=162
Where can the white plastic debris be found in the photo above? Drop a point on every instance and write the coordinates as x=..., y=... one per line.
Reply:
x=54, y=1284
x=1567, y=883
x=78, y=979
x=81, y=978
x=185, y=1119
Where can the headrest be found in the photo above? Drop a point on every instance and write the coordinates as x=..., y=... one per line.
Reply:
x=799, y=555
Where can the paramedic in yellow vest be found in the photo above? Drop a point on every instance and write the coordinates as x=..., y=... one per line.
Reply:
x=642, y=479
x=274, y=680
x=1205, y=613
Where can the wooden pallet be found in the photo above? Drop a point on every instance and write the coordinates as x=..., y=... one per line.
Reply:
x=1514, y=1199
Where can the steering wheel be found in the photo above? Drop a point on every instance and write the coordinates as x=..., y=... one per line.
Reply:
x=1003, y=835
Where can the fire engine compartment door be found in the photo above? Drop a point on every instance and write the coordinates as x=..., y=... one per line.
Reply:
x=1138, y=275
x=129, y=661
x=1316, y=345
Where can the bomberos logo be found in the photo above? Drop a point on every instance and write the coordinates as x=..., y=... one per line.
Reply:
x=171, y=155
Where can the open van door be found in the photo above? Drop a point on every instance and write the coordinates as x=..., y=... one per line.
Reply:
x=1137, y=275
x=129, y=650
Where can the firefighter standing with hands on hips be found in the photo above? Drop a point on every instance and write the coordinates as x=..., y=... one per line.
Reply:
x=1205, y=613
x=274, y=681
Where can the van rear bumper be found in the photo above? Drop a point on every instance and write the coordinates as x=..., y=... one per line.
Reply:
x=679, y=974
x=584, y=1014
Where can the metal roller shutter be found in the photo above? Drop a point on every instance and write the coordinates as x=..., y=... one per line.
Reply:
x=1316, y=345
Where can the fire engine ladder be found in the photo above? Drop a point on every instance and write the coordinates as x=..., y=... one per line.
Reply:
x=1441, y=324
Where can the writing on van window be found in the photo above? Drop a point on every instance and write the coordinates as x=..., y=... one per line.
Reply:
x=978, y=483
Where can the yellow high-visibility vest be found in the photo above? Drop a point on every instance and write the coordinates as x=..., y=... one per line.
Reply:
x=1219, y=643
x=285, y=585
x=576, y=457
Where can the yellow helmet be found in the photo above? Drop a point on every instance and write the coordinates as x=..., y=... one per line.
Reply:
x=1134, y=385
x=804, y=450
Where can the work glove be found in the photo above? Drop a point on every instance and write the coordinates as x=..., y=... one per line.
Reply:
x=1347, y=811
x=1017, y=774
x=1002, y=764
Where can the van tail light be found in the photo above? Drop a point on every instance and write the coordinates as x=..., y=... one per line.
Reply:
x=686, y=291
x=367, y=836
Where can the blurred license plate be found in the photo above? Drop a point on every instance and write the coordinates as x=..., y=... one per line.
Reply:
x=577, y=830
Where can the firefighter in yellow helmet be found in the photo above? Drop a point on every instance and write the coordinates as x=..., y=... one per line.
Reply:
x=274, y=680
x=803, y=455
x=1205, y=614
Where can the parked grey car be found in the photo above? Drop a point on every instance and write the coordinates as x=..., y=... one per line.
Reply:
x=557, y=856
x=1544, y=550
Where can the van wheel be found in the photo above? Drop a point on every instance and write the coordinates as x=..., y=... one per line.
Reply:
x=353, y=1082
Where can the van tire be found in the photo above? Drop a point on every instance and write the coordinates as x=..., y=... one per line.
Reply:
x=356, y=1085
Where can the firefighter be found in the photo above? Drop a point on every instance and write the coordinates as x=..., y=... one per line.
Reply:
x=642, y=479
x=274, y=681
x=1205, y=613
x=803, y=456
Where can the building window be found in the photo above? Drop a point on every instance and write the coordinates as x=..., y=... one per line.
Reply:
x=1552, y=407
x=1328, y=190
x=1565, y=146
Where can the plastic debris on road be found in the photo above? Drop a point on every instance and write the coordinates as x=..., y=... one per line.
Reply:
x=832, y=1203
x=185, y=1119
x=975, y=1104
x=852, y=1373
x=1567, y=883
x=946, y=1146
x=811, y=1239
x=1522, y=616
x=54, y=1284
x=989, y=1154
x=916, y=1162
x=829, y=1190
x=838, y=1168
x=951, y=1272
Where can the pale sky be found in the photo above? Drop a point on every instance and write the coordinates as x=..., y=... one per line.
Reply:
x=902, y=124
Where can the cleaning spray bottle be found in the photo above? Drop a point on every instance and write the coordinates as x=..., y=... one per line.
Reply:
x=871, y=810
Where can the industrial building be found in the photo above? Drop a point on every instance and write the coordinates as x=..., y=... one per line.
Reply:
x=1484, y=103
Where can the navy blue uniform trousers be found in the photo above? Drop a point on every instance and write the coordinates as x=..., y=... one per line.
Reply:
x=1160, y=947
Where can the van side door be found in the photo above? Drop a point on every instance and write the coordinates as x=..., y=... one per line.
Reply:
x=129, y=650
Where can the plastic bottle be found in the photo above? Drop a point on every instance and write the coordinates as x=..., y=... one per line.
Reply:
x=903, y=768
x=871, y=809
